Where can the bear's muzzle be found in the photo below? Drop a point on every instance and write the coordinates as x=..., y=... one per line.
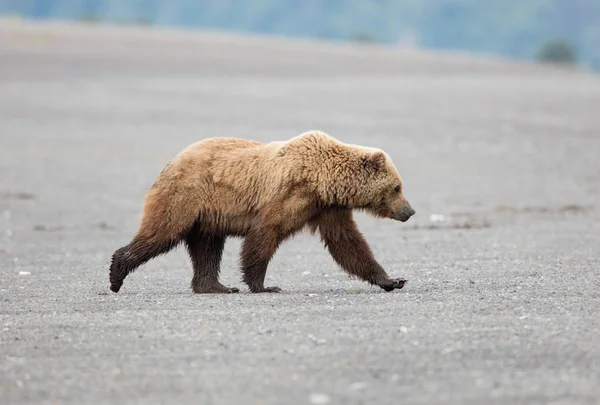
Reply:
x=404, y=214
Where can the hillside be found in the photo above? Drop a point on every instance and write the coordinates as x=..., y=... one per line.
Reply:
x=515, y=29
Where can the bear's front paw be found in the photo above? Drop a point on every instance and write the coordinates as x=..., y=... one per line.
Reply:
x=393, y=284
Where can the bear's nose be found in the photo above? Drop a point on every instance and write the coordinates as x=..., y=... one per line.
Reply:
x=411, y=212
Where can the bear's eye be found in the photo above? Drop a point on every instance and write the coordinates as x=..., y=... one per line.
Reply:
x=397, y=189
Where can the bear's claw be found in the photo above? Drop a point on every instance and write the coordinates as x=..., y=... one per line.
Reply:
x=395, y=283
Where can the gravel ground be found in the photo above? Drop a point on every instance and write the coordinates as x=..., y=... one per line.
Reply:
x=502, y=302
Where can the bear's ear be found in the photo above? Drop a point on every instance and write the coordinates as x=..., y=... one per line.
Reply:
x=374, y=161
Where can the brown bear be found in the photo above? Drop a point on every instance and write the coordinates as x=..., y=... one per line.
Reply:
x=227, y=187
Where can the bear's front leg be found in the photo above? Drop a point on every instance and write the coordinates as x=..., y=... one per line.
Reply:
x=257, y=250
x=351, y=251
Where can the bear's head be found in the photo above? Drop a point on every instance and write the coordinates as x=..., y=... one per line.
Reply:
x=382, y=193
x=365, y=179
x=349, y=176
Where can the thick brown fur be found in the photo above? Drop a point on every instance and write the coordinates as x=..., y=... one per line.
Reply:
x=265, y=193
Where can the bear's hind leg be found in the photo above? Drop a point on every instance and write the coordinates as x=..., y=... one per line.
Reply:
x=257, y=250
x=205, y=251
x=128, y=258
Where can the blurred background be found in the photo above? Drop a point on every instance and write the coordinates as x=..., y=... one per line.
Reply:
x=565, y=31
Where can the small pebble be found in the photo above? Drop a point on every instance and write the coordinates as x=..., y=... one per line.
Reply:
x=319, y=399
x=24, y=273
x=437, y=218
x=318, y=341
x=359, y=385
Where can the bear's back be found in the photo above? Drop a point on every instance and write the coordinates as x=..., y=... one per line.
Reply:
x=236, y=175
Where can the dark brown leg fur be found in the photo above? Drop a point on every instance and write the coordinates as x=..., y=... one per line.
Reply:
x=351, y=251
x=128, y=258
x=257, y=250
x=206, y=251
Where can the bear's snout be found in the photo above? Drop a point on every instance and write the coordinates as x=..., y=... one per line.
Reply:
x=405, y=213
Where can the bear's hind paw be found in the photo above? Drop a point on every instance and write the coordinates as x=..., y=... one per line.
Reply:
x=266, y=290
x=221, y=289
